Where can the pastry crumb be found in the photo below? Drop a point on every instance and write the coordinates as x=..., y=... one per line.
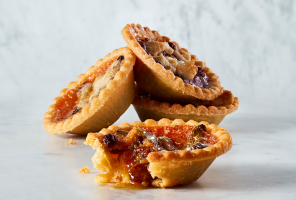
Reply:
x=71, y=141
x=84, y=170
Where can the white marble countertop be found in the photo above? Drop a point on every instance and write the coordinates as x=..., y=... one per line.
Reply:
x=260, y=165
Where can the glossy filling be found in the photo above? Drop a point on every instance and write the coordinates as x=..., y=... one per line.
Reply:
x=128, y=149
x=178, y=61
x=76, y=99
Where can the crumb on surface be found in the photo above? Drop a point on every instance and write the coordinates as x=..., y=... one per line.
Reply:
x=84, y=170
x=71, y=141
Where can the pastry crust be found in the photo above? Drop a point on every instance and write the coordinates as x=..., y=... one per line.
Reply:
x=172, y=168
x=104, y=110
x=151, y=109
x=161, y=83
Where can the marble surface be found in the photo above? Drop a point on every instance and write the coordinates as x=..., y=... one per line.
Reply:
x=250, y=44
x=260, y=165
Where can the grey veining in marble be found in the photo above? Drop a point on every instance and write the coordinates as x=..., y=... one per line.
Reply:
x=250, y=44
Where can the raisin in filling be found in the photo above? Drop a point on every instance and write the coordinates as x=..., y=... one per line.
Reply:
x=178, y=61
x=131, y=147
x=200, y=79
x=76, y=99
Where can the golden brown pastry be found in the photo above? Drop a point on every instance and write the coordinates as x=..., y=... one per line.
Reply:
x=162, y=154
x=212, y=111
x=96, y=99
x=167, y=71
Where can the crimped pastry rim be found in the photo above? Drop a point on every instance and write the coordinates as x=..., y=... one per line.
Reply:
x=202, y=93
x=167, y=108
x=223, y=145
x=87, y=112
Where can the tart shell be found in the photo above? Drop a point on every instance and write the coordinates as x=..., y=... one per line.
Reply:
x=174, y=168
x=151, y=109
x=103, y=111
x=160, y=83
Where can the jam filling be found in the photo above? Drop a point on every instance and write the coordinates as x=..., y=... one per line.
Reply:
x=130, y=147
x=76, y=99
x=178, y=61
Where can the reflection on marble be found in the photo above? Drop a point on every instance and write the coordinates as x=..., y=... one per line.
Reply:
x=260, y=165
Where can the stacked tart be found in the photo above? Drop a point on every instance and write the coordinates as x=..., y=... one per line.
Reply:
x=212, y=111
x=176, y=84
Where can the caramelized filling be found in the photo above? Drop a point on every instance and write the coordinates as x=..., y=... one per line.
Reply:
x=75, y=99
x=178, y=134
x=102, y=70
x=66, y=105
x=130, y=148
x=176, y=60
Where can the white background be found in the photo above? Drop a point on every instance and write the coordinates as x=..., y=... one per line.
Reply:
x=250, y=44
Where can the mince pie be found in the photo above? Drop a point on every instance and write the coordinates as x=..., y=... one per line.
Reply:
x=167, y=71
x=212, y=111
x=97, y=98
x=162, y=154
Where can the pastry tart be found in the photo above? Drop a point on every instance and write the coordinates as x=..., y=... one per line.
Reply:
x=162, y=154
x=167, y=71
x=96, y=99
x=212, y=111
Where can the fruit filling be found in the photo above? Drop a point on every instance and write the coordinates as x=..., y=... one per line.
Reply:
x=76, y=99
x=126, y=150
x=177, y=60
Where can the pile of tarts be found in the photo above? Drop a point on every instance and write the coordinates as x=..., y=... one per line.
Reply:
x=172, y=83
x=178, y=98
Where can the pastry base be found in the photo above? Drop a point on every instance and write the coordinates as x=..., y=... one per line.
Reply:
x=178, y=173
x=151, y=109
x=112, y=102
x=172, y=168
x=145, y=114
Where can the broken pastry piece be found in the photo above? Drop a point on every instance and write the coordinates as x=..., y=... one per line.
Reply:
x=71, y=142
x=167, y=71
x=96, y=99
x=162, y=154
x=84, y=169
x=212, y=111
